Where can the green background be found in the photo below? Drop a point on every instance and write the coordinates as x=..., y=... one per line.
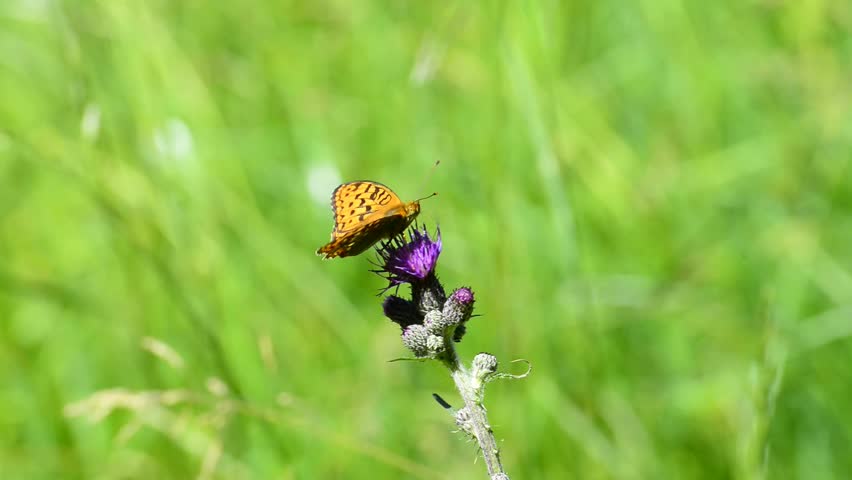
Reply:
x=651, y=200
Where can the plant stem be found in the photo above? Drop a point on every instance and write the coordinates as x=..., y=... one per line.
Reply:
x=471, y=391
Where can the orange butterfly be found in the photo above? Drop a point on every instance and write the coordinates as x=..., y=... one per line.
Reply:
x=364, y=213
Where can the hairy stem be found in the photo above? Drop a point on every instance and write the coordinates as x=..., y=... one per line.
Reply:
x=470, y=390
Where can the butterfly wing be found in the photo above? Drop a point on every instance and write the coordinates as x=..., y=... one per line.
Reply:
x=364, y=213
x=358, y=240
x=355, y=203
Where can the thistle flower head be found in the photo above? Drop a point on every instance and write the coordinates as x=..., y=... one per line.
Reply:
x=430, y=321
x=411, y=261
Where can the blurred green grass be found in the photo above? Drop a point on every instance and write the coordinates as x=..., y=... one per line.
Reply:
x=652, y=202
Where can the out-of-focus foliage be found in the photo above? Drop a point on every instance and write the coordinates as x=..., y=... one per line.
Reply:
x=651, y=200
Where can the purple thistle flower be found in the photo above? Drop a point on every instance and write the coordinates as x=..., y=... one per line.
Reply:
x=409, y=262
x=430, y=320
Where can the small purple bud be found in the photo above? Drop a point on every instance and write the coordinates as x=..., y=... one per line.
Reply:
x=457, y=311
x=459, y=306
x=463, y=295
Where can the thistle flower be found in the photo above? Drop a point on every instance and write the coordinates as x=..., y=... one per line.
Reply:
x=413, y=261
x=430, y=320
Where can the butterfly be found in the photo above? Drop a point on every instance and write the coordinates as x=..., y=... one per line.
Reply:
x=364, y=213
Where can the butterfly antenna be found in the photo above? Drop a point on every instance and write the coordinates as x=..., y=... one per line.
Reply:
x=429, y=177
x=427, y=196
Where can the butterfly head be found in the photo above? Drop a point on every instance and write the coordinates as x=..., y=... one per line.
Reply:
x=412, y=209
